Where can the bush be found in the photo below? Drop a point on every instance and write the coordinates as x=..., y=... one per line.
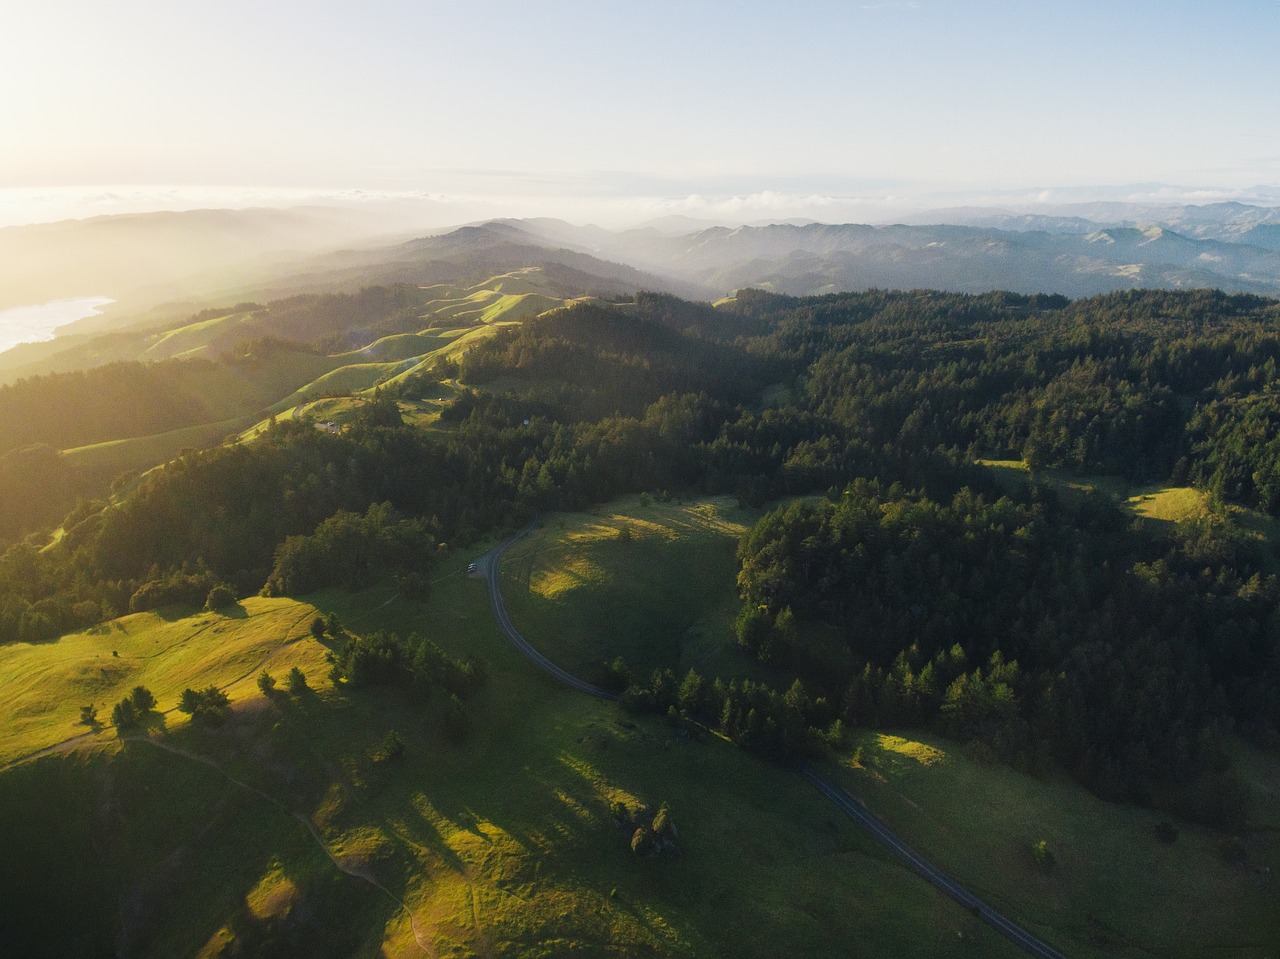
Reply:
x=391, y=749
x=179, y=586
x=1043, y=856
x=642, y=842
x=220, y=597
x=662, y=824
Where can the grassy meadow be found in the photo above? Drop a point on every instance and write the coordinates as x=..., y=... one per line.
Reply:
x=280, y=833
x=652, y=582
x=1114, y=889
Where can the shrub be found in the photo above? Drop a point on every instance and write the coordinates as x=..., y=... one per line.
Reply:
x=662, y=824
x=1043, y=855
x=391, y=749
x=642, y=841
x=219, y=597
x=179, y=586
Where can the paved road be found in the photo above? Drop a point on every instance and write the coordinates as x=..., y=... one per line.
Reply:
x=859, y=814
x=487, y=567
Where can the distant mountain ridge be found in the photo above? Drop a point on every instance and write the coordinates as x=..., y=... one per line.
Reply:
x=822, y=258
x=166, y=267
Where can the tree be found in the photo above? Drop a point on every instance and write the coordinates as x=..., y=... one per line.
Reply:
x=690, y=695
x=142, y=699
x=662, y=824
x=266, y=683
x=89, y=715
x=124, y=715
x=317, y=627
x=189, y=701
x=296, y=682
x=391, y=749
x=209, y=706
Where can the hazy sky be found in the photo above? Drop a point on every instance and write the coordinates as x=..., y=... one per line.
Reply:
x=603, y=100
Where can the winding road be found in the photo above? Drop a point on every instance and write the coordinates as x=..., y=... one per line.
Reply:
x=487, y=566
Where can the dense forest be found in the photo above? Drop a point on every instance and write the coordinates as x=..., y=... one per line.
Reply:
x=906, y=586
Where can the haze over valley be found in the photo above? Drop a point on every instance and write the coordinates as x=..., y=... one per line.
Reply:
x=714, y=480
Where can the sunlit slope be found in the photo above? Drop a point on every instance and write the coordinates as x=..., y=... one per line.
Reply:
x=273, y=828
x=508, y=298
x=1162, y=504
x=209, y=379
x=652, y=582
x=43, y=687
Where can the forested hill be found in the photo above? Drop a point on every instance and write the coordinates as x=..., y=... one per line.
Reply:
x=913, y=586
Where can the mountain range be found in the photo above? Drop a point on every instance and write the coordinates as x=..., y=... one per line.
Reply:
x=164, y=267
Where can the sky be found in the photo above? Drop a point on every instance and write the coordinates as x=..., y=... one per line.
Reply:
x=779, y=108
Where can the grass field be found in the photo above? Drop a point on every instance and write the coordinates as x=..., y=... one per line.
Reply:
x=143, y=452
x=661, y=594
x=42, y=687
x=503, y=845
x=1157, y=503
x=1115, y=888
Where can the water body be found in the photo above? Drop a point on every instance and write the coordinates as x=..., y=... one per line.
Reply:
x=36, y=324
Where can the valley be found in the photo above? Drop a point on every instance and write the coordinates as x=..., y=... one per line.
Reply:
x=1001, y=567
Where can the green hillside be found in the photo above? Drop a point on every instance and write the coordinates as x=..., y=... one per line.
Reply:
x=502, y=844
x=1058, y=681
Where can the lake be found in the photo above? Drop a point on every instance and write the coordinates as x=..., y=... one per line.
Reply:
x=35, y=324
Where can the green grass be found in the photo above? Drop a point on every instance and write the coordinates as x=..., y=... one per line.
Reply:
x=503, y=845
x=353, y=378
x=193, y=338
x=1160, y=503
x=402, y=346
x=499, y=300
x=42, y=687
x=1170, y=504
x=1115, y=889
x=143, y=452
x=661, y=594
